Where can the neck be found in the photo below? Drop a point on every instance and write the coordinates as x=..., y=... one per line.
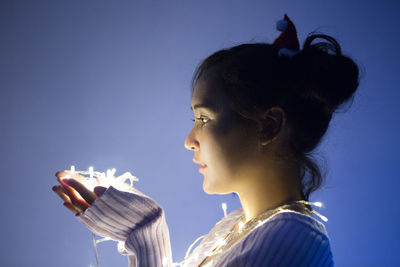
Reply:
x=265, y=194
x=253, y=207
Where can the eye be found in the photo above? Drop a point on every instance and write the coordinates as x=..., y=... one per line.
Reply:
x=202, y=119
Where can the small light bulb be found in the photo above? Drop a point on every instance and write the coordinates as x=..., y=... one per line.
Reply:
x=165, y=261
x=224, y=207
x=324, y=218
x=72, y=170
x=91, y=172
x=318, y=204
x=241, y=224
x=320, y=215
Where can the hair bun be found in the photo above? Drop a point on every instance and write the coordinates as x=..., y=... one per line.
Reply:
x=325, y=74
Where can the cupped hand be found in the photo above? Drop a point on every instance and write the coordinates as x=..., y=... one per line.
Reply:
x=77, y=198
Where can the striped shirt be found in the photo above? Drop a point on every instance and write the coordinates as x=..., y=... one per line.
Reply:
x=137, y=222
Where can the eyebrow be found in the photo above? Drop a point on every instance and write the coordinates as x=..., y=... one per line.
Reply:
x=212, y=108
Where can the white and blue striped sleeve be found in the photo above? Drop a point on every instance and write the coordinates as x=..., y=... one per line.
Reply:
x=136, y=221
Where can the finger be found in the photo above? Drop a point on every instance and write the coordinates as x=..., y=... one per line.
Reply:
x=63, y=174
x=60, y=174
x=87, y=195
x=77, y=211
x=75, y=197
x=99, y=190
x=67, y=174
x=59, y=190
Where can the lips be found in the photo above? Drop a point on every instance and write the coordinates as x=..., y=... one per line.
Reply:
x=201, y=168
x=197, y=162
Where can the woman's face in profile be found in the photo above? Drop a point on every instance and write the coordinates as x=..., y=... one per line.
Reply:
x=220, y=139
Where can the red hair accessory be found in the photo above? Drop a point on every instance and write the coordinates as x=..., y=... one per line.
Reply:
x=287, y=40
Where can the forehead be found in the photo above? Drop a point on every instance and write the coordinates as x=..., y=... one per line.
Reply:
x=207, y=93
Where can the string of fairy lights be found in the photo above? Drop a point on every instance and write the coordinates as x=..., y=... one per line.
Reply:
x=91, y=178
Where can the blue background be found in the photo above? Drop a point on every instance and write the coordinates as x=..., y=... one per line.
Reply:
x=106, y=83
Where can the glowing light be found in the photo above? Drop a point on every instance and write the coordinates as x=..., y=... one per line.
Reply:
x=91, y=172
x=320, y=215
x=261, y=223
x=224, y=208
x=102, y=239
x=72, y=170
x=241, y=224
x=91, y=178
x=221, y=242
x=318, y=204
x=164, y=261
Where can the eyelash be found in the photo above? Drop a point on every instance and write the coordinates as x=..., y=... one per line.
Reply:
x=201, y=119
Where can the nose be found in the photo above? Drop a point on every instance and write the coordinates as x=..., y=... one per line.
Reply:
x=191, y=142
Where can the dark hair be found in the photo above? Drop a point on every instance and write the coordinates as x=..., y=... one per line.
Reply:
x=308, y=86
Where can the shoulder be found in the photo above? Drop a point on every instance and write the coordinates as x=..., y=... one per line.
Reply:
x=298, y=221
x=288, y=238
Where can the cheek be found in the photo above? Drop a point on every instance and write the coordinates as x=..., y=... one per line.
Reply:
x=232, y=143
x=218, y=176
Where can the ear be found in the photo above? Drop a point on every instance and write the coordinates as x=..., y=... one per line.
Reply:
x=272, y=122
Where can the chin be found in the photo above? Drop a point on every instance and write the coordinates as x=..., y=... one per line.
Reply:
x=207, y=189
x=212, y=189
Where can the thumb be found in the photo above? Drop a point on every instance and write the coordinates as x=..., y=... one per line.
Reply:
x=99, y=190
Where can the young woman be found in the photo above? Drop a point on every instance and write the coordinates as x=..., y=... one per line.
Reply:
x=260, y=110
